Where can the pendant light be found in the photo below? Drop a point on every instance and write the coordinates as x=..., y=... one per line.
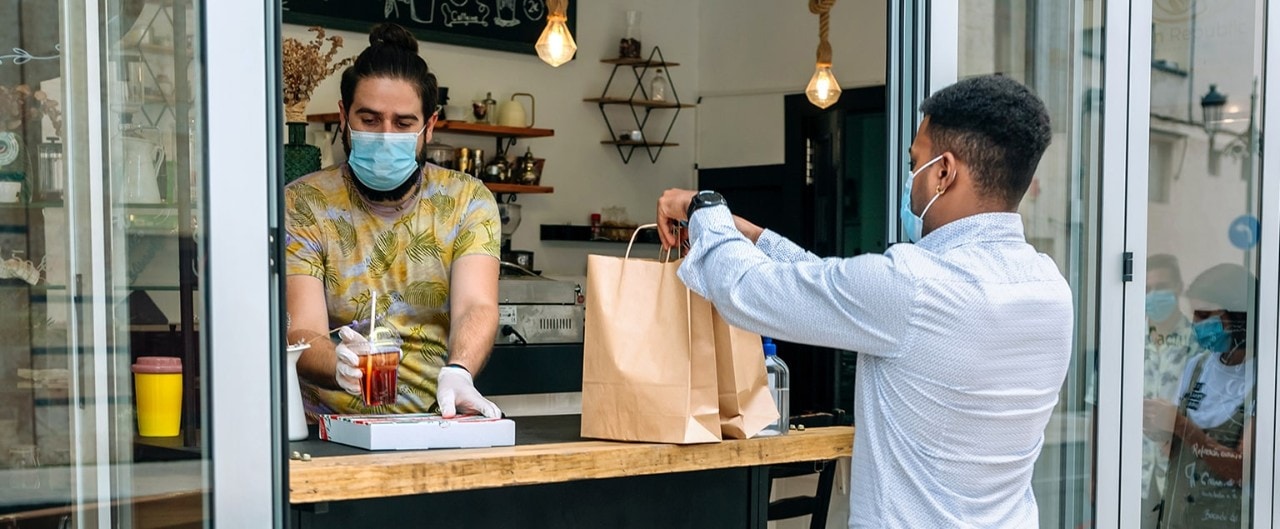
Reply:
x=556, y=46
x=823, y=89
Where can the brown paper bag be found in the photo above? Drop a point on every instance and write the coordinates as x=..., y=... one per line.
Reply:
x=646, y=376
x=746, y=405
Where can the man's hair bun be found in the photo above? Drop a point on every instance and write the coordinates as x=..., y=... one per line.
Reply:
x=393, y=35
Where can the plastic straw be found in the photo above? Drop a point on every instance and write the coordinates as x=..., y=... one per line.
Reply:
x=373, y=313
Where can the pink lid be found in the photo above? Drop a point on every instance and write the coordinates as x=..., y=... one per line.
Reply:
x=158, y=365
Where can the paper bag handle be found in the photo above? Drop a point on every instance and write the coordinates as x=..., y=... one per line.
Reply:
x=663, y=255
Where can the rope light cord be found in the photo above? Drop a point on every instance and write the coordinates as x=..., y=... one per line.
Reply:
x=557, y=7
x=822, y=8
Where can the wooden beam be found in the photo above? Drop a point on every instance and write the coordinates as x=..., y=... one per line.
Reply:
x=384, y=474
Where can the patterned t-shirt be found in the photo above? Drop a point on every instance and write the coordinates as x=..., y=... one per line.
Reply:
x=333, y=234
x=1165, y=358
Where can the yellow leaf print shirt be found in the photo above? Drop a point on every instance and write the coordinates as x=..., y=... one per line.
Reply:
x=333, y=234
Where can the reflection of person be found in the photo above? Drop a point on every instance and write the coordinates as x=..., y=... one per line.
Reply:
x=1170, y=344
x=965, y=336
x=1207, y=427
x=423, y=237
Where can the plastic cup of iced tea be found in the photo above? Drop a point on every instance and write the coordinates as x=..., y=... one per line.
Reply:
x=379, y=363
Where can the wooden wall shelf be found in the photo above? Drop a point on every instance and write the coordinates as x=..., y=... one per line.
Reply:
x=645, y=63
x=633, y=143
x=459, y=127
x=647, y=103
x=517, y=188
x=504, y=137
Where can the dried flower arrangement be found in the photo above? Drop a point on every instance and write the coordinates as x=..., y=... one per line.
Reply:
x=19, y=104
x=305, y=65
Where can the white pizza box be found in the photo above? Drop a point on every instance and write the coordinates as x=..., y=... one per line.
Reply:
x=419, y=431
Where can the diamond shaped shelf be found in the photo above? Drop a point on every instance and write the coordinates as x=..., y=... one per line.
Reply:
x=641, y=106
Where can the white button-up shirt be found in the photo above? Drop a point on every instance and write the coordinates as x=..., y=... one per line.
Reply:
x=964, y=340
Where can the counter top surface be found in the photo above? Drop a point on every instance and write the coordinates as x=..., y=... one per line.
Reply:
x=547, y=450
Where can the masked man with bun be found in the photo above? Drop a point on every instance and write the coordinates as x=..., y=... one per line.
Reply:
x=424, y=238
x=1209, y=427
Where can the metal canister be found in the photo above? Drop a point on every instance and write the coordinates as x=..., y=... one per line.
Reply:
x=464, y=160
x=477, y=163
x=52, y=173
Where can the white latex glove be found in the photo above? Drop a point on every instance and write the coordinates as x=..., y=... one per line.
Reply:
x=455, y=389
x=346, y=371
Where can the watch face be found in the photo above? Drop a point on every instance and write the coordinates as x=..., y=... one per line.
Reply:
x=704, y=199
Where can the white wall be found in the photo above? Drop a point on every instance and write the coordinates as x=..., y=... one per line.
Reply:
x=753, y=53
x=587, y=176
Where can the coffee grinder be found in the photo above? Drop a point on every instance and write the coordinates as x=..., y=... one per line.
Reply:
x=510, y=215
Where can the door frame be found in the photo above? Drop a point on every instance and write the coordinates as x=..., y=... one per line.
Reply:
x=925, y=43
x=243, y=118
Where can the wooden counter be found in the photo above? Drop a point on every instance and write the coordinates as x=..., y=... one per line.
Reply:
x=384, y=474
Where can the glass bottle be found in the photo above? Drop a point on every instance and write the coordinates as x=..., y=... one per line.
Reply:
x=629, y=46
x=658, y=86
x=779, y=386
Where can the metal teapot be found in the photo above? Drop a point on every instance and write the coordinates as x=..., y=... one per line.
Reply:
x=526, y=170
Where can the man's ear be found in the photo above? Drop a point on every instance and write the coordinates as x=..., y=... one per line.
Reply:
x=431, y=127
x=947, y=170
x=342, y=117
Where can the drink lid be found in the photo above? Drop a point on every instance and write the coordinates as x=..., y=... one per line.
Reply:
x=385, y=335
x=158, y=365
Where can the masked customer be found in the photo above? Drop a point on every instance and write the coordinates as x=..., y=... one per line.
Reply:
x=423, y=237
x=964, y=337
x=1211, y=425
x=1170, y=344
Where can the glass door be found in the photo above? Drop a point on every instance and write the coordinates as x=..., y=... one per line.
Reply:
x=1056, y=49
x=1203, y=244
x=105, y=250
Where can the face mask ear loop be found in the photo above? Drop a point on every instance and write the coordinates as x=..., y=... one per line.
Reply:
x=929, y=205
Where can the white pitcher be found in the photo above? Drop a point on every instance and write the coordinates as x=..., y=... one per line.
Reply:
x=297, y=417
x=142, y=162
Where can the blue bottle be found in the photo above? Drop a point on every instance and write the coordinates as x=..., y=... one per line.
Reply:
x=779, y=386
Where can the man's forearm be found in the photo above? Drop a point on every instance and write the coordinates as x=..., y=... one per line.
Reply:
x=471, y=337
x=317, y=365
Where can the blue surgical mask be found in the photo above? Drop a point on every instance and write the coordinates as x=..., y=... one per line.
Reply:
x=1211, y=335
x=1161, y=304
x=911, y=223
x=384, y=160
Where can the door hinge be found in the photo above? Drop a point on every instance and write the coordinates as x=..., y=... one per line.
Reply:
x=808, y=162
x=1127, y=274
x=273, y=264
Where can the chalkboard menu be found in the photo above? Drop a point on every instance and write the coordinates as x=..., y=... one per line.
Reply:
x=506, y=25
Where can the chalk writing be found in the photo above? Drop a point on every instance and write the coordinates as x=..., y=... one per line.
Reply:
x=21, y=56
x=457, y=16
x=534, y=10
x=506, y=14
x=1202, y=451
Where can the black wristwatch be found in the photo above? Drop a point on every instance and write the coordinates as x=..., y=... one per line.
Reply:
x=704, y=199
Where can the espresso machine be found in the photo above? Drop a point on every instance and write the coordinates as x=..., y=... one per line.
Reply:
x=533, y=309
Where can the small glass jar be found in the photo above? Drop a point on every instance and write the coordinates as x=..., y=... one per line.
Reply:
x=629, y=46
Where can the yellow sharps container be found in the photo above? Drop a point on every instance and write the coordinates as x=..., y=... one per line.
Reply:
x=157, y=382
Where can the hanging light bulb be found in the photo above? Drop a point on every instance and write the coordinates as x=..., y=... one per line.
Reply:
x=556, y=46
x=823, y=89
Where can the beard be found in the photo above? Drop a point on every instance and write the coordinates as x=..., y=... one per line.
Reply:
x=393, y=195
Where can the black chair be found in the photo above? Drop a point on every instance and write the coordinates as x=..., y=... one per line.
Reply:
x=816, y=505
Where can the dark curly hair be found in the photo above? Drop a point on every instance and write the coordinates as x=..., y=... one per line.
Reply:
x=392, y=53
x=995, y=125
